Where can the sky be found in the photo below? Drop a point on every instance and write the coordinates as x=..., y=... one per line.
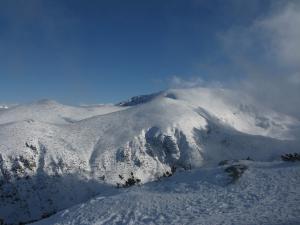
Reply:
x=77, y=51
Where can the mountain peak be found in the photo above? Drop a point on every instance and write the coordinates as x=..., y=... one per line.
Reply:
x=140, y=99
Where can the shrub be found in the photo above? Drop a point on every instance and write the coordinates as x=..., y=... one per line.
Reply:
x=235, y=171
x=130, y=181
x=30, y=146
x=291, y=157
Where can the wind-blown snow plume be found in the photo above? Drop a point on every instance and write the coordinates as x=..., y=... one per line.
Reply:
x=268, y=53
x=178, y=82
x=265, y=55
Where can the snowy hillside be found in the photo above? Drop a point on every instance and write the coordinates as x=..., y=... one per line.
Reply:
x=266, y=194
x=50, y=111
x=53, y=156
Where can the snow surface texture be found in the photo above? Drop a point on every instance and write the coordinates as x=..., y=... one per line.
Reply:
x=53, y=156
x=268, y=193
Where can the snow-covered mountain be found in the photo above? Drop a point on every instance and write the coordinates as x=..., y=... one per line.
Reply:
x=53, y=156
x=49, y=111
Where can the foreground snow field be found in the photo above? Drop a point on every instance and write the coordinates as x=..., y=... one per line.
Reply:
x=54, y=156
x=267, y=193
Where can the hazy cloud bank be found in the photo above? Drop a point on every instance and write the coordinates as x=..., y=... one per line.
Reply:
x=269, y=55
x=266, y=54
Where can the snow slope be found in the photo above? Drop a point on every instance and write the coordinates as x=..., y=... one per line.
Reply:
x=267, y=193
x=65, y=155
x=50, y=111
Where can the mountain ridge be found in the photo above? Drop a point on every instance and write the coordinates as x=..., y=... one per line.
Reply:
x=146, y=138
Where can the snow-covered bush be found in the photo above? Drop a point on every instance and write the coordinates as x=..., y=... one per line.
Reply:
x=130, y=181
x=291, y=157
x=235, y=171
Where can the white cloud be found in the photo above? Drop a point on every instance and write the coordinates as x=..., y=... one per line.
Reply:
x=294, y=79
x=178, y=82
x=282, y=29
x=268, y=53
x=190, y=82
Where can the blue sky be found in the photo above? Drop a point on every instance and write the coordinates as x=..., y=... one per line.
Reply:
x=106, y=51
